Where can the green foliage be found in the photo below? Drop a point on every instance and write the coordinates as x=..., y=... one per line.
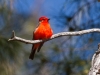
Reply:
x=10, y=56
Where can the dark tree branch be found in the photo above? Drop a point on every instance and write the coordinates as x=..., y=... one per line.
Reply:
x=76, y=33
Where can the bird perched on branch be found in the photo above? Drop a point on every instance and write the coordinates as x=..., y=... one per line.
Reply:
x=42, y=32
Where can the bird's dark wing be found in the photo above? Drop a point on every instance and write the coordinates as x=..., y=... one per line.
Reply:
x=41, y=44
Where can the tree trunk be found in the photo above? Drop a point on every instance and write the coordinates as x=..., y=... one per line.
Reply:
x=95, y=64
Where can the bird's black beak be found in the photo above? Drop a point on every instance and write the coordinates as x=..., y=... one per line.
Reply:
x=49, y=19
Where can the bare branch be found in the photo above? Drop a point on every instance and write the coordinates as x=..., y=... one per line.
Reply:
x=15, y=38
x=76, y=33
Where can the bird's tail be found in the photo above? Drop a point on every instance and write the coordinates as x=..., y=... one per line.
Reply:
x=32, y=53
x=34, y=48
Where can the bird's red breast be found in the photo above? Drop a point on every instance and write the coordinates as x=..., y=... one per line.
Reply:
x=43, y=31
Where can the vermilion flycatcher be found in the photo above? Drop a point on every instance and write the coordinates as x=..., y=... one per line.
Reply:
x=42, y=32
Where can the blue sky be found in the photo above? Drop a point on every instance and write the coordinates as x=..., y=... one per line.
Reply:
x=56, y=10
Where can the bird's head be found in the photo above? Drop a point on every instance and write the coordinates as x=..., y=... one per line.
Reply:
x=43, y=19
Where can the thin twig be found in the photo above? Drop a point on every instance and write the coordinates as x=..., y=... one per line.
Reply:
x=76, y=33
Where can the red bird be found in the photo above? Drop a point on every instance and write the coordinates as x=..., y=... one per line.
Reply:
x=42, y=32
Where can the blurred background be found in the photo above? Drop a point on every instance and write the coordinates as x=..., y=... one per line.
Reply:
x=67, y=55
